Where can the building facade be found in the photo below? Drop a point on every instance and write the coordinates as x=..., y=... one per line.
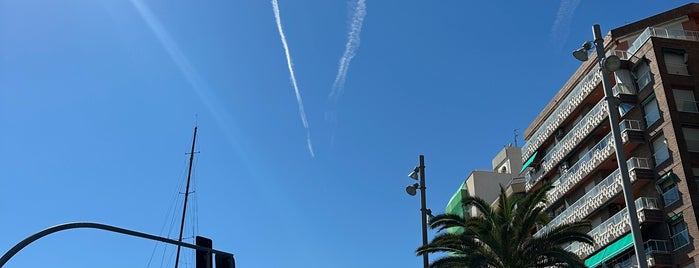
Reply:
x=486, y=183
x=570, y=145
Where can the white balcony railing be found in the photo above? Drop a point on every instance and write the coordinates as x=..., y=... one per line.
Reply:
x=658, y=32
x=584, y=166
x=588, y=162
x=560, y=113
x=596, y=197
x=628, y=260
x=578, y=133
x=612, y=228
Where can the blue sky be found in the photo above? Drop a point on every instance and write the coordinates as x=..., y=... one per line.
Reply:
x=98, y=100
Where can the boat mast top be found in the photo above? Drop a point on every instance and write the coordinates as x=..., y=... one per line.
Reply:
x=186, y=195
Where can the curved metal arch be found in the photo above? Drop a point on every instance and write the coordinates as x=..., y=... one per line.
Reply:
x=75, y=225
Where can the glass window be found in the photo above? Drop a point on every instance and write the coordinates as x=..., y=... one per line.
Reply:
x=676, y=62
x=680, y=236
x=660, y=151
x=668, y=187
x=684, y=99
x=650, y=107
x=642, y=75
x=625, y=108
x=691, y=138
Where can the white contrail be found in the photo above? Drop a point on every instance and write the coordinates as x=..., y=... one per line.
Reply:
x=350, y=50
x=561, y=26
x=275, y=6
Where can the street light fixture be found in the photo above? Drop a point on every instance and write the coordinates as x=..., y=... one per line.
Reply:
x=424, y=212
x=607, y=65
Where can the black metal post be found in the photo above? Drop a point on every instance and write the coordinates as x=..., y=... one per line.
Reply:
x=423, y=209
x=619, y=149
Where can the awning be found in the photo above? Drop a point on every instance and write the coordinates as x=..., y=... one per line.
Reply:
x=675, y=217
x=610, y=251
x=529, y=162
x=455, y=207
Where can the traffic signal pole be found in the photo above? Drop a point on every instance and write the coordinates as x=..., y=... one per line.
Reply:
x=76, y=225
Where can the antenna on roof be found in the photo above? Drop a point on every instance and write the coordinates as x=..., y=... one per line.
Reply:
x=516, y=137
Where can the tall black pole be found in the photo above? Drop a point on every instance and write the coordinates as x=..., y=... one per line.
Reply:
x=186, y=195
x=423, y=209
x=619, y=149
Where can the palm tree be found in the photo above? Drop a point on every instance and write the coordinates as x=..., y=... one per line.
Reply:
x=502, y=237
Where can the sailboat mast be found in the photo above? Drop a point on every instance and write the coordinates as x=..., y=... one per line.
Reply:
x=186, y=196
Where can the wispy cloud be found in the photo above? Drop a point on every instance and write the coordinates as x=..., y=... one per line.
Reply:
x=299, y=101
x=561, y=26
x=353, y=38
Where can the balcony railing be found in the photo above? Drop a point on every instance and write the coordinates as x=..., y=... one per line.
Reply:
x=659, y=32
x=680, y=239
x=569, y=103
x=589, y=161
x=598, y=195
x=584, y=166
x=612, y=228
x=628, y=260
x=578, y=133
x=591, y=80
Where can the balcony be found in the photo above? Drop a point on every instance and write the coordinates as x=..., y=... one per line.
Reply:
x=567, y=106
x=657, y=255
x=657, y=32
x=596, y=197
x=592, y=159
x=608, y=231
x=577, y=134
x=631, y=130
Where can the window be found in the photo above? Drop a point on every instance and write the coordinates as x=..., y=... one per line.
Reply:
x=660, y=151
x=625, y=108
x=678, y=231
x=667, y=186
x=684, y=99
x=642, y=74
x=675, y=61
x=650, y=107
x=691, y=138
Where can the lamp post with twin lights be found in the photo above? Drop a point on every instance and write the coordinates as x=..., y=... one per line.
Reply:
x=418, y=174
x=607, y=65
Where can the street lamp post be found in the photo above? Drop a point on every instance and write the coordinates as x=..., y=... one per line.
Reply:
x=411, y=189
x=608, y=65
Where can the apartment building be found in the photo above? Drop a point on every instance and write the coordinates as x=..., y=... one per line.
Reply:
x=570, y=145
x=506, y=166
